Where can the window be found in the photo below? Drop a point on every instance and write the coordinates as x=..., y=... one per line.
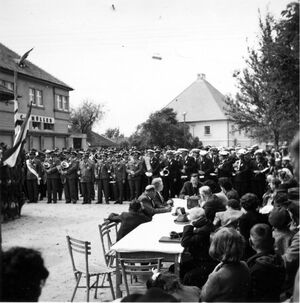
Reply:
x=48, y=126
x=36, y=97
x=207, y=130
x=62, y=102
x=7, y=84
x=36, y=125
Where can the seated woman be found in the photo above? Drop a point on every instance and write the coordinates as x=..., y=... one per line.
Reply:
x=230, y=280
x=268, y=197
x=129, y=220
x=170, y=283
x=196, y=263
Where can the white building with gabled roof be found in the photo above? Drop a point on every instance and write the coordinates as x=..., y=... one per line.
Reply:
x=201, y=107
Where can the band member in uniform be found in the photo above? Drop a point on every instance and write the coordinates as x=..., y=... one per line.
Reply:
x=86, y=178
x=205, y=165
x=119, y=172
x=224, y=168
x=71, y=179
x=242, y=173
x=259, y=166
x=135, y=169
x=154, y=162
x=102, y=175
x=53, y=177
x=33, y=177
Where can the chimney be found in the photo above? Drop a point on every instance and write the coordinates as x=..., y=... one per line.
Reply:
x=201, y=77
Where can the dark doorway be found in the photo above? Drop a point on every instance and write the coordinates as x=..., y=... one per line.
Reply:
x=77, y=143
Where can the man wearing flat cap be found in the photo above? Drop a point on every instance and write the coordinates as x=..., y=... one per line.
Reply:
x=71, y=179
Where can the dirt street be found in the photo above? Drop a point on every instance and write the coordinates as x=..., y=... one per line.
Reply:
x=45, y=226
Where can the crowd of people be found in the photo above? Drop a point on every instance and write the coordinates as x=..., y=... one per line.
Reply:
x=105, y=175
x=241, y=237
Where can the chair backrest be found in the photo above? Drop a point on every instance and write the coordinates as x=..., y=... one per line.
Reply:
x=105, y=231
x=140, y=266
x=81, y=249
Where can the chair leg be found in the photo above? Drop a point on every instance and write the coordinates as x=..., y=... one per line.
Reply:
x=77, y=277
x=103, y=280
x=87, y=288
x=125, y=281
x=111, y=286
x=96, y=286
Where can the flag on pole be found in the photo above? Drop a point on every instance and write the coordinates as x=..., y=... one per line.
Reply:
x=11, y=155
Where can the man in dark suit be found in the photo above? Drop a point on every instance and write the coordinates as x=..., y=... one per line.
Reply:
x=129, y=220
x=190, y=188
x=205, y=165
x=147, y=202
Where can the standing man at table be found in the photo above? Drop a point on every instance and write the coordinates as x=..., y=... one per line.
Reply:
x=147, y=202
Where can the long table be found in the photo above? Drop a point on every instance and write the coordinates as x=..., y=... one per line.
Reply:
x=143, y=241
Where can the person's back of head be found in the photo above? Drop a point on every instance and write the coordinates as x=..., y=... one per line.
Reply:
x=151, y=295
x=134, y=206
x=23, y=274
x=249, y=202
x=212, y=185
x=261, y=238
x=225, y=183
x=205, y=191
x=234, y=204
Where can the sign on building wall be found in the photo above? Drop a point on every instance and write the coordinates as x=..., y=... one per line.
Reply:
x=36, y=118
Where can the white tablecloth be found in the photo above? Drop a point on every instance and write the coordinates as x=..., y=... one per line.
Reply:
x=146, y=236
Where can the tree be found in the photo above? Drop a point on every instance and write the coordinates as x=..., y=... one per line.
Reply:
x=113, y=133
x=266, y=105
x=84, y=117
x=161, y=129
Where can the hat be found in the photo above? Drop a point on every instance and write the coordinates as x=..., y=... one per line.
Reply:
x=241, y=151
x=224, y=153
x=150, y=151
x=182, y=219
x=195, y=150
x=196, y=213
x=169, y=152
x=286, y=158
x=149, y=187
x=279, y=217
x=203, y=152
x=183, y=150
x=258, y=151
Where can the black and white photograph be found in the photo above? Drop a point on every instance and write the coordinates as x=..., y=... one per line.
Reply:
x=149, y=151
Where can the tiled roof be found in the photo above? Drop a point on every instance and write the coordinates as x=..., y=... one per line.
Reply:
x=200, y=101
x=96, y=140
x=8, y=61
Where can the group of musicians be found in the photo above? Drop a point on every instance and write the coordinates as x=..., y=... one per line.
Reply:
x=122, y=175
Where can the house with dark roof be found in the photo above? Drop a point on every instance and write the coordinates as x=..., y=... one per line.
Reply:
x=201, y=107
x=95, y=140
x=49, y=126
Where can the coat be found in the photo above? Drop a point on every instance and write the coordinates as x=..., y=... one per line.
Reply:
x=267, y=277
x=149, y=206
x=229, y=283
x=129, y=221
x=212, y=206
x=189, y=190
x=196, y=238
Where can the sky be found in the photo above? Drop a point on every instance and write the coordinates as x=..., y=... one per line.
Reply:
x=105, y=54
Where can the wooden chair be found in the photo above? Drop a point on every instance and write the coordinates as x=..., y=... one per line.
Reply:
x=79, y=252
x=105, y=230
x=138, y=267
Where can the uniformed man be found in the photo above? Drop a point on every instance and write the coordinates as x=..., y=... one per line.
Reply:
x=205, y=165
x=119, y=172
x=102, y=175
x=86, y=178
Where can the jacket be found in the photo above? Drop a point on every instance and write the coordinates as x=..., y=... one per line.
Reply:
x=230, y=283
x=86, y=171
x=189, y=190
x=149, y=206
x=267, y=277
x=129, y=221
x=196, y=238
x=213, y=205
